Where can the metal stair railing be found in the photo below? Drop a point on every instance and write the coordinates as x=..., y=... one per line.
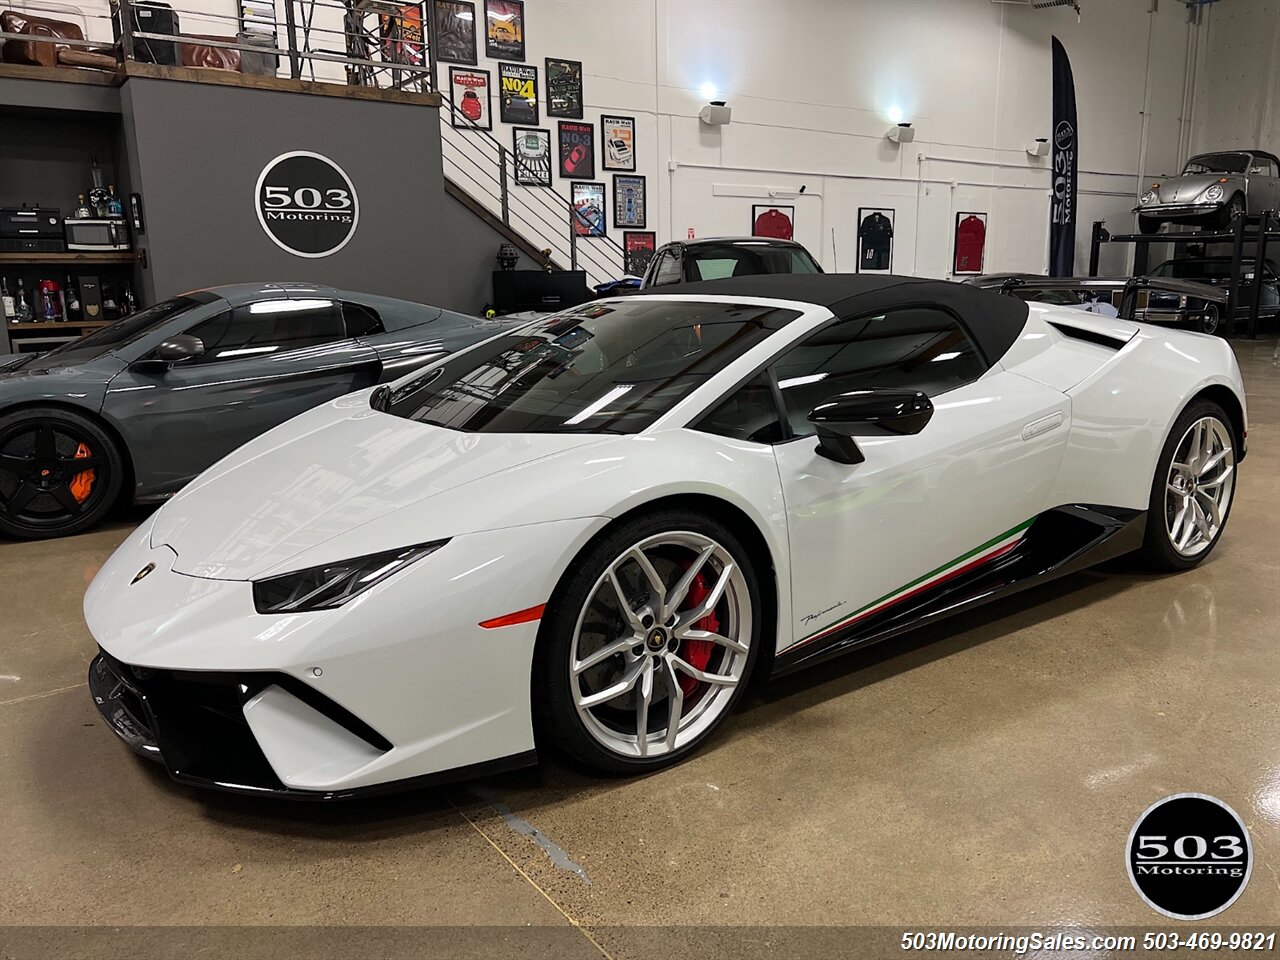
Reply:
x=485, y=169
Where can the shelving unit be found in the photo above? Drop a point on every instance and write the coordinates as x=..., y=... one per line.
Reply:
x=75, y=258
x=60, y=325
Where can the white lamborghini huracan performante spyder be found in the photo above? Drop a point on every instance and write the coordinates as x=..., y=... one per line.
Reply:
x=591, y=532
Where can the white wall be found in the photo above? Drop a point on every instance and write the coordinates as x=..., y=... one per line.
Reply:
x=812, y=84
x=1238, y=90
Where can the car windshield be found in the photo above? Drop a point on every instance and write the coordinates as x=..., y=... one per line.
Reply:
x=715, y=261
x=124, y=331
x=1218, y=163
x=599, y=368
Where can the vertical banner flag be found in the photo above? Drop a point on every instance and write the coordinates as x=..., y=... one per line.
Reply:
x=1062, y=206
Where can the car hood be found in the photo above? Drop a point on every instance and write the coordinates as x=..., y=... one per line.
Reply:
x=49, y=374
x=343, y=474
x=1188, y=188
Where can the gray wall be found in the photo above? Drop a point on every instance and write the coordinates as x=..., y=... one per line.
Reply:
x=472, y=257
x=196, y=150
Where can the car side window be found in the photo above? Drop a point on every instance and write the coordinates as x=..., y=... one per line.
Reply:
x=361, y=321
x=269, y=327
x=914, y=348
x=668, y=270
x=749, y=413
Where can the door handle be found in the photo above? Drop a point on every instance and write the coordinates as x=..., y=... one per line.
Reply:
x=1043, y=425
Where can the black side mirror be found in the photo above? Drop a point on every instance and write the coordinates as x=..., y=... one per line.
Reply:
x=179, y=349
x=873, y=412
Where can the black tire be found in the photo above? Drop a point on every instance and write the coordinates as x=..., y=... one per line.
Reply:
x=556, y=717
x=1148, y=225
x=1209, y=319
x=1233, y=209
x=1158, y=549
x=42, y=495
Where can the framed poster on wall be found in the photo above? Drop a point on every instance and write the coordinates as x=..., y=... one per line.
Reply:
x=875, y=240
x=618, y=143
x=588, y=209
x=531, y=149
x=564, y=88
x=638, y=247
x=517, y=93
x=470, y=91
x=577, y=150
x=504, y=29
x=455, y=31
x=970, y=242
x=628, y=201
x=771, y=221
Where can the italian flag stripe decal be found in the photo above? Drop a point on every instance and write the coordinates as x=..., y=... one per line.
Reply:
x=991, y=550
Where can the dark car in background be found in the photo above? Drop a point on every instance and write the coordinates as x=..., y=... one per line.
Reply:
x=140, y=407
x=1173, y=302
x=688, y=261
x=1216, y=271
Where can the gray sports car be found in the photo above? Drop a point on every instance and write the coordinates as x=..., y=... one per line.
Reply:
x=1212, y=190
x=146, y=404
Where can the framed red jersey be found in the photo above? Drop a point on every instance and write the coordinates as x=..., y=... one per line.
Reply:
x=971, y=241
x=775, y=222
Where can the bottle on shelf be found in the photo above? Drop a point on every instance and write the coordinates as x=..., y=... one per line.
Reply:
x=115, y=209
x=82, y=209
x=23, y=308
x=97, y=191
x=6, y=300
x=74, y=313
x=130, y=304
x=110, y=307
x=50, y=301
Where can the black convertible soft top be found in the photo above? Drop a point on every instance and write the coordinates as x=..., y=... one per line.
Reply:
x=993, y=320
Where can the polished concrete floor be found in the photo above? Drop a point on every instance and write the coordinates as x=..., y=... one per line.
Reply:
x=986, y=771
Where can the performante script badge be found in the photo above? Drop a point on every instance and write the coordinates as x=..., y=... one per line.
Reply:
x=141, y=574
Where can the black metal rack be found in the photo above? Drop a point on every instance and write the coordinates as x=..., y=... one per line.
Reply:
x=1243, y=232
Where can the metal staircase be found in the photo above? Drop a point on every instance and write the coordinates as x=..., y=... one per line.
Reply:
x=483, y=170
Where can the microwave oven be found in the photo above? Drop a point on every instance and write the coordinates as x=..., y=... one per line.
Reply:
x=96, y=235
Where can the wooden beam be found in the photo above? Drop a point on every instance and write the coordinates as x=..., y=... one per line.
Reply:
x=233, y=78
x=100, y=78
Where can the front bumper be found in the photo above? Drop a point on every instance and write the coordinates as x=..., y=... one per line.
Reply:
x=194, y=723
x=401, y=687
x=1177, y=209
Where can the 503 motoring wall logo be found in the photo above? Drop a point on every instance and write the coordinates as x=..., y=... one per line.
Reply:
x=307, y=204
x=1189, y=856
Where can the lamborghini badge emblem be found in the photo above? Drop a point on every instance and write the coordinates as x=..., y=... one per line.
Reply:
x=142, y=573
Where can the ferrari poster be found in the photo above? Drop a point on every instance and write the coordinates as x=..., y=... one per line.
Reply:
x=471, y=101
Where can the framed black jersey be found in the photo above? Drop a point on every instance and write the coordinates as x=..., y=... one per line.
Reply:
x=875, y=239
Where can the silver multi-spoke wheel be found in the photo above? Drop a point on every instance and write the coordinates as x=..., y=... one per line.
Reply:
x=1199, y=486
x=661, y=644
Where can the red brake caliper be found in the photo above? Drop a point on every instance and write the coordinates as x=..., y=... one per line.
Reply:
x=697, y=653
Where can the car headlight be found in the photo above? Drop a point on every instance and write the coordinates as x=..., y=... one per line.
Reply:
x=1214, y=193
x=333, y=584
x=1146, y=197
